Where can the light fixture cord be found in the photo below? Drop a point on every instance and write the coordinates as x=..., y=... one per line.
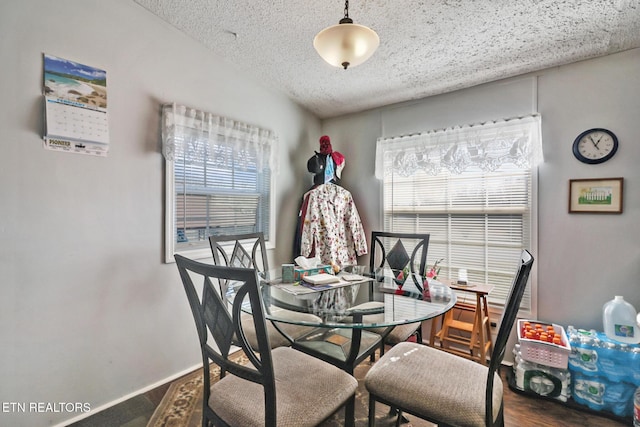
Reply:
x=346, y=19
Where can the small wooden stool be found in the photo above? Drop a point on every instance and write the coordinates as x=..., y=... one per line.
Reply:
x=479, y=341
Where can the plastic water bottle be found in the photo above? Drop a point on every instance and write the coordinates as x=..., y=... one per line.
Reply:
x=619, y=318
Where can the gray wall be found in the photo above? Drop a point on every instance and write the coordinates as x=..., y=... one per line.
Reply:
x=88, y=311
x=582, y=260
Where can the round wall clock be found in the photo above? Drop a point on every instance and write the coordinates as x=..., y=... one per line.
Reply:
x=595, y=146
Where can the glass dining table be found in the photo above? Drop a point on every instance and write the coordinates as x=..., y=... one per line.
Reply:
x=348, y=320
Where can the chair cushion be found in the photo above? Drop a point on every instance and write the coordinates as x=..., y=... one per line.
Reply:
x=434, y=384
x=401, y=333
x=308, y=391
x=276, y=339
x=398, y=334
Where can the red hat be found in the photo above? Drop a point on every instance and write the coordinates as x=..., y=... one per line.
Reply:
x=325, y=145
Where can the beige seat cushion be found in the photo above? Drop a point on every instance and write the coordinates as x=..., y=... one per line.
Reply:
x=308, y=391
x=434, y=384
x=398, y=334
x=401, y=333
x=276, y=339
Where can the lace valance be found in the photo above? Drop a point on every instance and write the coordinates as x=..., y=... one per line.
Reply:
x=486, y=146
x=199, y=135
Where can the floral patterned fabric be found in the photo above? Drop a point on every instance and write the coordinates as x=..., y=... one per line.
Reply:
x=332, y=229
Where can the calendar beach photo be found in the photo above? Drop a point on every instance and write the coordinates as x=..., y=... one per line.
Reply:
x=75, y=84
x=75, y=98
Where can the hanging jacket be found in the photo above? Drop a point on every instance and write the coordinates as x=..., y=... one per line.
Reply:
x=331, y=228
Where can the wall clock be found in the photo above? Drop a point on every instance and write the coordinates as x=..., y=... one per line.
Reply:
x=595, y=146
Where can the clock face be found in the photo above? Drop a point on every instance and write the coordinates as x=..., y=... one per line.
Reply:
x=595, y=146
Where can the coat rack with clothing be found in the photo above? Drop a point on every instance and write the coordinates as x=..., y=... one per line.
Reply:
x=329, y=225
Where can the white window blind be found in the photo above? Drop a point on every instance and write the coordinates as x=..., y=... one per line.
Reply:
x=219, y=179
x=470, y=187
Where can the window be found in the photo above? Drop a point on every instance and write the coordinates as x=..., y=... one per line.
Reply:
x=471, y=188
x=219, y=179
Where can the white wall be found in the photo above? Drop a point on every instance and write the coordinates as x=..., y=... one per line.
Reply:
x=587, y=259
x=582, y=260
x=88, y=311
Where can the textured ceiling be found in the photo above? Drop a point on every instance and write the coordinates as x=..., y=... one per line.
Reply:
x=426, y=47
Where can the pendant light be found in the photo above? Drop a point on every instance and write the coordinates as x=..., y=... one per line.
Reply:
x=346, y=44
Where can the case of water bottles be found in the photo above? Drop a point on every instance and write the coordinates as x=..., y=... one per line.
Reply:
x=605, y=373
x=541, y=379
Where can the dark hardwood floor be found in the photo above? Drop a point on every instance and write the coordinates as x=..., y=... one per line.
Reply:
x=134, y=412
x=520, y=411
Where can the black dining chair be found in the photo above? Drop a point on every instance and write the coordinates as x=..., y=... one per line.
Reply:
x=280, y=387
x=249, y=251
x=395, y=253
x=444, y=388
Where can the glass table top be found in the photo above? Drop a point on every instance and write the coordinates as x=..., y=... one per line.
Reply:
x=359, y=300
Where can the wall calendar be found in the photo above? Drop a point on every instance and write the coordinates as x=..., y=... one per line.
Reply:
x=76, y=117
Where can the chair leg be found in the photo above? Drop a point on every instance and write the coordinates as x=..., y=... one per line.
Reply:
x=400, y=418
x=372, y=357
x=500, y=419
x=350, y=412
x=372, y=411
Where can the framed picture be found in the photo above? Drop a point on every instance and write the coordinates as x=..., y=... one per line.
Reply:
x=603, y=195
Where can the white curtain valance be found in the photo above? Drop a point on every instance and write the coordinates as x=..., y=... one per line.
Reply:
x=194, y=128
x=486, y=146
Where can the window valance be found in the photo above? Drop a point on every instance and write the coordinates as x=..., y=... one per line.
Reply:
x=188, y=130
x=486, y=146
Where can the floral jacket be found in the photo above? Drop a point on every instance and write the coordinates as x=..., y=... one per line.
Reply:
x=331, y=227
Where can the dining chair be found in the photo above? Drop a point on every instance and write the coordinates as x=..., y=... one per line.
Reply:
x=389, y=252
x=280, y=387
x=249, y=251
x=444, y=388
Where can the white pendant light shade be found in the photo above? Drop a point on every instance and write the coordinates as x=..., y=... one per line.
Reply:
x=346, y=45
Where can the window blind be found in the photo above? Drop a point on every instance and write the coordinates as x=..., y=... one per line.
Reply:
x=477, y=209
x=221, y=177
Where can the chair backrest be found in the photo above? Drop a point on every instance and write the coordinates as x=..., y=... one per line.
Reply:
x=389, y=250
x=239, y=250
x=213, y=320
x=506, y=325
